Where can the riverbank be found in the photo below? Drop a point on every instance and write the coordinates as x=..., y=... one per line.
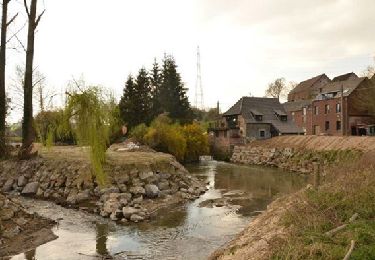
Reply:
x=139, y=183
x=300, y=153
x=21, y=231
x=318, y=223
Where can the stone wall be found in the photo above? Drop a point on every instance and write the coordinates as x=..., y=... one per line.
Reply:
x=134, y=191
x=291, y=159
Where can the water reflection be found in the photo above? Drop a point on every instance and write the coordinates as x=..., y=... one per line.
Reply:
x=189, y=231
x=101, y=239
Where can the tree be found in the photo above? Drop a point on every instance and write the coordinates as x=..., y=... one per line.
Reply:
x=28, y=132
x=172, y=93
x=155, y=80
x=3, y=102
x=279, y=88
x=136, y=102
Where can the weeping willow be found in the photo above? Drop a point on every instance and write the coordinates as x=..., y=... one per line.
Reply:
x=91, y=119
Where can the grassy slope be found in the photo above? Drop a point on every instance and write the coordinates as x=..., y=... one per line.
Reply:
x=347, y=190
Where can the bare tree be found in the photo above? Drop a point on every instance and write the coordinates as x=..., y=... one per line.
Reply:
x=28, y=132
x=279, y=88
x=369, y=71
x=3, y=108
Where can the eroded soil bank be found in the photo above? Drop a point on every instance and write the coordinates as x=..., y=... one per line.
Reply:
x=20, y=231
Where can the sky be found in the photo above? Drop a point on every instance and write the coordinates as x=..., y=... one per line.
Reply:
x=244, y=44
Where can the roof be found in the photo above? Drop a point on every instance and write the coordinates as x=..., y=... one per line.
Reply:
x=307, y=84
x=345, y=77
x=348, y=86
x=268, y=108
x=296, y=105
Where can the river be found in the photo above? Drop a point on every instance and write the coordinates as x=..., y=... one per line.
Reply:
x=236, y=194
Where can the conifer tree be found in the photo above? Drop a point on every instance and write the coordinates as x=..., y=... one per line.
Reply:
x=126, y=102
x=172, y=93
x=136, y=102
x=155, y=81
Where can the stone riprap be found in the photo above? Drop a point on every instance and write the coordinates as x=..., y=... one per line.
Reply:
x=134, y=190
x=290, y=159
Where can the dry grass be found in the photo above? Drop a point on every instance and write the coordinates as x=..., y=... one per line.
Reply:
x=348, y=189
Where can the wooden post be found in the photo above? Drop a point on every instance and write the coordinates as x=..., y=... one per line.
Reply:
x=316, y=175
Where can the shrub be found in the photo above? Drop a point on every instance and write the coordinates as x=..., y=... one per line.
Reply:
x=196, y=142
x=139, y=132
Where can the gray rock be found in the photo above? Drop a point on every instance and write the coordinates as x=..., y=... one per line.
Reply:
x=152, y=191
x=137, y=200
x=110, y=190
x=22, y=181
x=8, y=185
x=31, y=188
x=145, y=175
x=137, y=190
x=163, y=185
x=111, y=206
x=122, y=187
x=121, y=178
x=129, y=211
x=136, y=218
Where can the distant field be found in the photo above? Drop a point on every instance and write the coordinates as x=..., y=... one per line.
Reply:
x=363, y=143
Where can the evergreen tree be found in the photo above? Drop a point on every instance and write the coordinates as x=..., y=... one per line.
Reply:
x=172, y=93
x=136, y=104
x=127, y=105
x=155, y=80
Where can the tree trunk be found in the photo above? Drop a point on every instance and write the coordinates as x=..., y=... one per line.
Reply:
x=28, y=132
x=2, y=77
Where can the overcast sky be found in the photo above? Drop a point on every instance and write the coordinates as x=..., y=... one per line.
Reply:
x=245, y=44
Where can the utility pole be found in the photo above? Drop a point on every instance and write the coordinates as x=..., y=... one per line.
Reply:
x=343, y=125
x=199, y=101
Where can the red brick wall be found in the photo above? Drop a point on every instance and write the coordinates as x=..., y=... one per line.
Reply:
x=322, y=117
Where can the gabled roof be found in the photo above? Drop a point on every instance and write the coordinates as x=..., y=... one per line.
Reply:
x=348, y=86
x=345, y=77
x=266, y=107
x=307, y=84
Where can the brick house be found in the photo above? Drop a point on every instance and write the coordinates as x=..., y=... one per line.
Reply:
x=337, y=109
x=252, y=118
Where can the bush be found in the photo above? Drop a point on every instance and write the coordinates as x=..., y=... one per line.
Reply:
x=186, y=143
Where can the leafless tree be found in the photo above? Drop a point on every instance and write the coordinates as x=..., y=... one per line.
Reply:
x=369, y=71
x=279, y=88
x=3, y=108
x=28, y=132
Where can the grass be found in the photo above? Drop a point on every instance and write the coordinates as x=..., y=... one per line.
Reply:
x=347, y=190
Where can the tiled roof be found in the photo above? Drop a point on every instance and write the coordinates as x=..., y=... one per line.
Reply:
x=348, y=86
x=344, y=77
x=265, y=107
x=307, y=84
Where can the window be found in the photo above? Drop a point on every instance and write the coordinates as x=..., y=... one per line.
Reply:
x=316, y=110
x=327, y=125
x=262, y=133
x=338, y=125
x=258, y=118
x=284, y=118
x=225, y=134
x=217, y=133
x=320, y=90
x=304, y=111
x=338, y=108
x=326, y=109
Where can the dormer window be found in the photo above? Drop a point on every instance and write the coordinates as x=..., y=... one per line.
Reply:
x=281, y=115
x=257, y=115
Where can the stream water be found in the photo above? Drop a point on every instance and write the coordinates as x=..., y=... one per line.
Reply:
x=193, y=231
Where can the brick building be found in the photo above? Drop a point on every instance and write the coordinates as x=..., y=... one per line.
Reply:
x=308, y=89
x=338, y=108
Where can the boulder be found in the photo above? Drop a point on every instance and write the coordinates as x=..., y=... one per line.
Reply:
x=137, y=190
x=152, y=191
x=136, y=218
x=145, y=175
x=31, y=188
x=129, y=211
x=21, y=181
x=8, y=185
x=163, y=185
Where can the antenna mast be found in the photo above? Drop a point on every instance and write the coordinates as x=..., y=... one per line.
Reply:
x=199, y=101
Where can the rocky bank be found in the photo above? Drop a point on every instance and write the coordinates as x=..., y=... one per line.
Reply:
x=291, y=159
x=139, y=183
